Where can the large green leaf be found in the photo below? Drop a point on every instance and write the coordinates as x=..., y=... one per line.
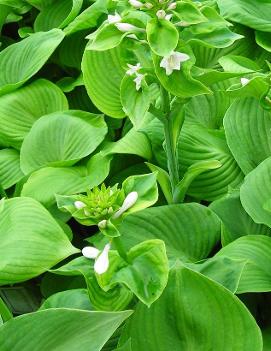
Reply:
x=10, y=170
x=31, y=240
x=202, y=144
x=247, y=127
x=190, y=231
x=194, y=314
x=61, y=139
x=255, y=193
x=57, y=14
x=254, y=14
x=21, y=108
x=103, y=72
x=256, y=250
x=235, y=219
x=60, y=329
x=20, y=61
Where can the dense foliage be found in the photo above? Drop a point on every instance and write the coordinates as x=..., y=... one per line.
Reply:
x=135, y=175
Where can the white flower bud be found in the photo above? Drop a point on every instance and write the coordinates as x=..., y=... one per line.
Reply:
x=135, y=3
x=86, y=212
x=114, y=18
x=128, y=202
x=102, y=224
x=126, y=27
x=244, y=81
x=138, y=80
x=102, y=262
x=79, y=204
x=148, y=5
x=133, y=69
x=161, y=14
x=172, y=6
x=90, y=252
x=168, y=17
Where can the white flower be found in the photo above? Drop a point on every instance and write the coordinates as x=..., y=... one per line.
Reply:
x=135, y=3
x=126, y=27
x=172, y=6
x=79, y=205
x=244, y=81
x=101, y=258
x=128, y=202
x=168, y=17
x=182, y=24
x=133, y=69
x=173, y=61
x=148, y=5
x=161, y=14
x=114, y=18
x=138, y=80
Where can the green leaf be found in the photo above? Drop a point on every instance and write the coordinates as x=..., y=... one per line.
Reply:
x=194, y=314
x=10, y=171
x=256, y=249
x=162, y=36
x=40, y=241
x=74, y=298
x=5, y=313
x=190, y=231
x=263, y=39
x=88, y=18
x=189, y=13
x=145, y=273
x=163, y=180
x=61, y=139
x=254, y=14
x=235, y=219
x=255, y=193
x=250, y=133
x=43, y=184
x=103, y=72
x=60, y=329
x=57, y=14
x=115, y=299
x=21, y=108
x=20, y=61
x=201, y=144
x=238, y=64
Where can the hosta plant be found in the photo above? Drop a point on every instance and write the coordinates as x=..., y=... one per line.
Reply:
x=135, y=187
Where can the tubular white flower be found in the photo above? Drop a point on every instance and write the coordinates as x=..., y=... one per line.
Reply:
x=79, y=205
x=102, y=224
x=182, y=24
x=133, y=69
x=102, y=262
x=135, y=3
x=168, y=17
x=244, y=81
x=138, y=80
x=148, y=5
x=173, y=61
x=161, y=14
x=126, y=27
x=128, y=202
x=172, y=6
x=114, y=18
x=90, y=252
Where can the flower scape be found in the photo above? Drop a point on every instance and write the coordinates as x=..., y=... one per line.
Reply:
x=135, y=175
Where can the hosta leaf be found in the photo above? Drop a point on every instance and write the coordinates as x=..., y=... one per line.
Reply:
x=60, y=329
x=57, y=14
x=61, y=139
x=40, y=241
x=247, y=127
x=10, y=170
x=248, y=12
x=235, y=219
x=113, y=300
x=20, y=61
x=201, y=144
x=74, y=298
x=162, y=36
x=103, y=73
x=194, y=313
x=43, y=184
x=190, y=231
x=255, y=193
x=21, y=108
x=88, y=18
x=256, y=249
